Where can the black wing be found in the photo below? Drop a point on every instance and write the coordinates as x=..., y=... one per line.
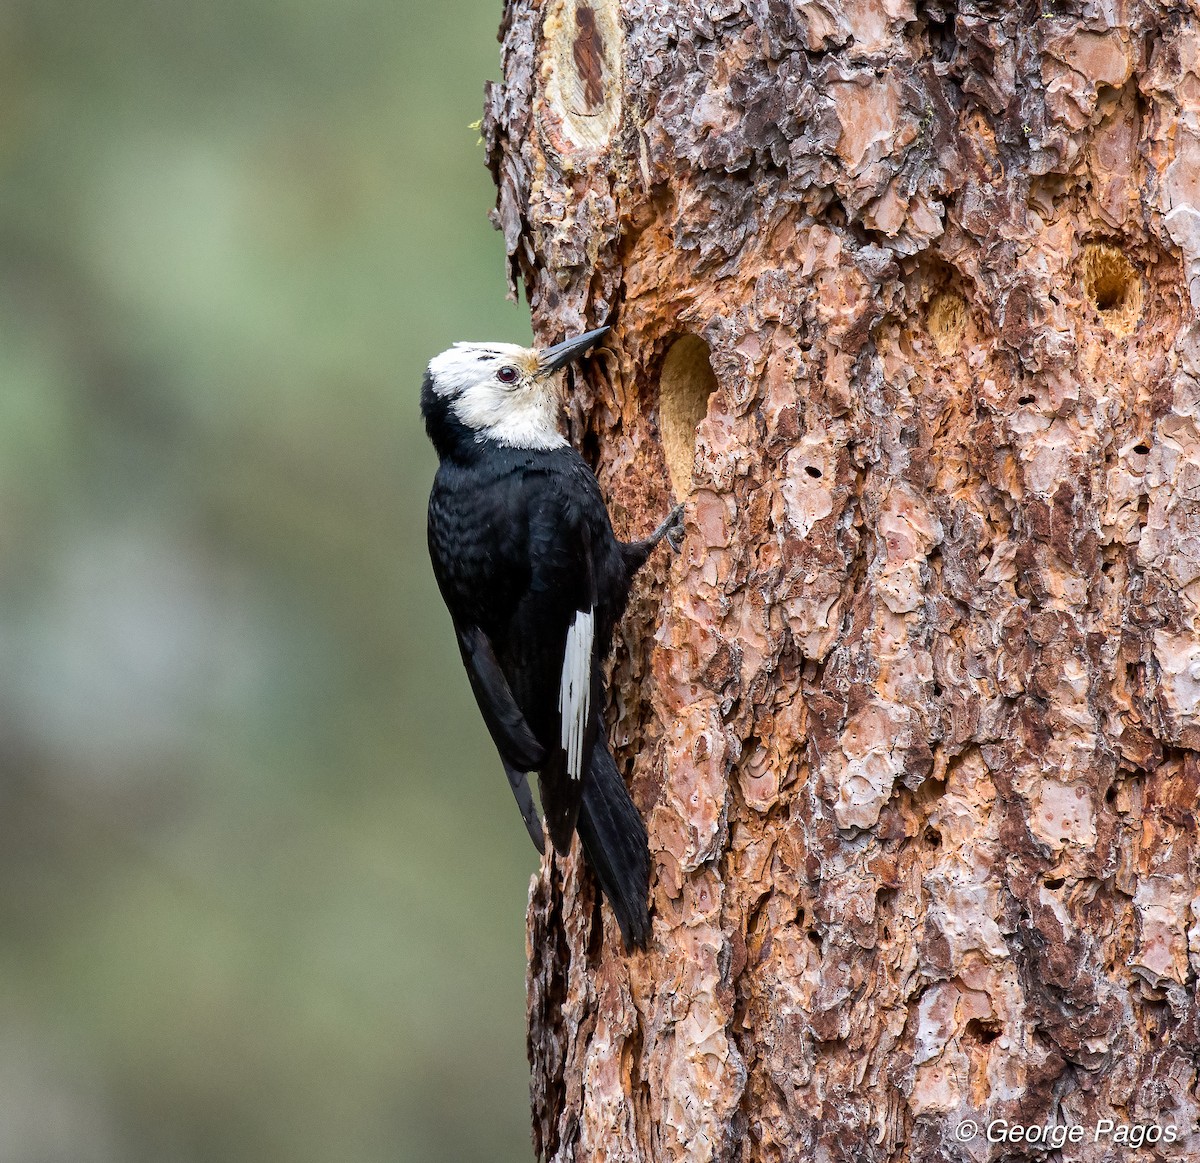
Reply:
x=519, y=557
x=557, y=614
x=519, y=750
x=505, y=722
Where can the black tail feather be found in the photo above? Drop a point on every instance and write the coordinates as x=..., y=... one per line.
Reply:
x=616, y=845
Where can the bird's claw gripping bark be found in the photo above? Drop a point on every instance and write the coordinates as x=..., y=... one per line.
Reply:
x=671, y=529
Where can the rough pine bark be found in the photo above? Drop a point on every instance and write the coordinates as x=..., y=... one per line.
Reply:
x=904, y=307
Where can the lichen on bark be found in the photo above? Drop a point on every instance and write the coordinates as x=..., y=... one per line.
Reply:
x=914, y=718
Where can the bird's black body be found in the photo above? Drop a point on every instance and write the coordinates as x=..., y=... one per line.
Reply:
x=521, y=544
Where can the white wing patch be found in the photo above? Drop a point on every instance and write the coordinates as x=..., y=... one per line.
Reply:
x=575, y=689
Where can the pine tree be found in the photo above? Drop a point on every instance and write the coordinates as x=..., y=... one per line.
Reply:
x=901, y=297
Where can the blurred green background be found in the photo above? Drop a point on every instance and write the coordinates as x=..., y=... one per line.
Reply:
x=263, y=885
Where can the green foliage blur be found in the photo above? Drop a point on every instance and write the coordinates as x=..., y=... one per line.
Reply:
x=262, y=884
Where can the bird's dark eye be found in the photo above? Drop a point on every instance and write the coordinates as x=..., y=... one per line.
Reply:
x=507, y=375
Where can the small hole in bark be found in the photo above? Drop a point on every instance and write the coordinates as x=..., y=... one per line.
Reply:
x=983, y=1032
x=937, y=690
x=1110, y=795
x=946, y=319
x=933, y=838
x=684, y=387
x=1055, y=883
x=1024, y=399
x=812, y=470
x=1113, y=286
x=1141, y=449
x=815, y=938
x=589, y=447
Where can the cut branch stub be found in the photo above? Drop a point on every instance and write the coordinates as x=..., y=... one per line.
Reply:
x=686, y=382
x=581, y=74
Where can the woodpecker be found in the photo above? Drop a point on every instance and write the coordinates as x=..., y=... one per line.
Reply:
x=535, y=581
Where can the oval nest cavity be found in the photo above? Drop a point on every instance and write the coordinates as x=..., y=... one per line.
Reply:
x=684, y=387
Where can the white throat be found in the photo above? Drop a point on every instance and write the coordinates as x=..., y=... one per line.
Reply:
x=525, y=418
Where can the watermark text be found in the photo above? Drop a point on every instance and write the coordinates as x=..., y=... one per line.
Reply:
x=1107, y=1131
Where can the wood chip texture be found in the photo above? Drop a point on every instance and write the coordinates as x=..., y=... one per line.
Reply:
x=914, y=716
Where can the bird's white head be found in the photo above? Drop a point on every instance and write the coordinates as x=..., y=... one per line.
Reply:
x=504, y=392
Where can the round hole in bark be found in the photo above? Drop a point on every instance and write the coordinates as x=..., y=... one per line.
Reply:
x=946, y=319
x=1141, y=449
x=983, y=1032
x=684, y=387
x=1113, y=286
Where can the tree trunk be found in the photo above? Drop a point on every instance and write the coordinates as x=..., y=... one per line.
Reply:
x=914, y=718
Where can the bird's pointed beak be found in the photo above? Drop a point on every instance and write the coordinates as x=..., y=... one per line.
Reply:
x=550, y=359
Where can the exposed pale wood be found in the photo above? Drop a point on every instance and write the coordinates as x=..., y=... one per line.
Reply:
x=915, y=716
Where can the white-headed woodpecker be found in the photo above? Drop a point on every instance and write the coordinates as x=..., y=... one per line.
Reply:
x=535, y=581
